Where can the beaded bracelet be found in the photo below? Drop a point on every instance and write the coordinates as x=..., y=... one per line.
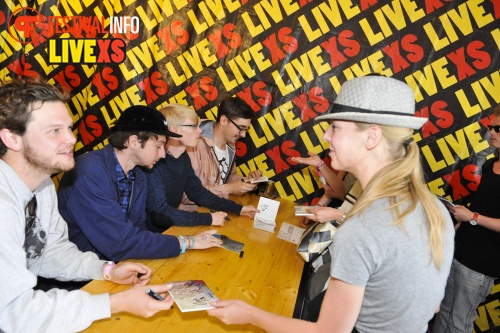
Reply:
x=192, y=242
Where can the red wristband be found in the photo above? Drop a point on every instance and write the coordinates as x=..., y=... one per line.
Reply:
x=475, y=217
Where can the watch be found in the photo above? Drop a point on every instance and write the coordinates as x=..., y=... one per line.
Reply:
x=108, y=266
x=474, y=219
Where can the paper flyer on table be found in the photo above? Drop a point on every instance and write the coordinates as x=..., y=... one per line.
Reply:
x=266, y=219
x=290, y=233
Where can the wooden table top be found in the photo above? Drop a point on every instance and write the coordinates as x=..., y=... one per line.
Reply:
x=268, y=276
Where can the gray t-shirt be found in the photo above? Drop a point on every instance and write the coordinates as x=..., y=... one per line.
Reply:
x=403, y=287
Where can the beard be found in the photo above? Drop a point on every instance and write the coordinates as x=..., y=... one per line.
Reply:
x=43, y=163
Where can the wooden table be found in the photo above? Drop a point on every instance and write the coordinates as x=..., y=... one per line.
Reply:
x=268, y=276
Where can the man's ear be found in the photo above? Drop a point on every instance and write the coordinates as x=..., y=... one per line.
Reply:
x=11, y=140
x=133, y=142
x=374, y=135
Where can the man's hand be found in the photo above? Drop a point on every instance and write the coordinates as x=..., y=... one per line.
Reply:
x=127, y=272
x=240, y=187
x=204, y=240
x=256, y=174
x=136, y=301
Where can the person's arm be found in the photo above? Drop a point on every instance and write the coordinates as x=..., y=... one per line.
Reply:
x=326, y=214
x=205, y=198
x=462, y=213
x=23, y=309
x=339, y=312
x=337, y=189
x=157, y=200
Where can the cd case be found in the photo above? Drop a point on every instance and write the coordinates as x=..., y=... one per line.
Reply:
x=303, y=210
x=259, y=180
x=192, y=295
x=446, y=202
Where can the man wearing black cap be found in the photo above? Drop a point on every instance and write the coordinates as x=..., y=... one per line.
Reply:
x=103, y=199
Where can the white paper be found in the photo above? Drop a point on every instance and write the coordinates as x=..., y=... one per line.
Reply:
x=266, y=219
x=290, y=233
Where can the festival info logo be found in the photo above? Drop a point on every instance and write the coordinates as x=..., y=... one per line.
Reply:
x=27, y=25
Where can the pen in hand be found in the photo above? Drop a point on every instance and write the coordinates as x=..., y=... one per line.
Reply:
x=225, y=217
x=154, y=295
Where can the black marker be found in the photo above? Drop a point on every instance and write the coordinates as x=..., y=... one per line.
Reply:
x=225, y=217
x=154, y=295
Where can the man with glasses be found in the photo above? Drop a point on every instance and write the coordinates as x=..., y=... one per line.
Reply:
x=173, y=177
x=36, y=141
x=213, y=159
x=477, y=247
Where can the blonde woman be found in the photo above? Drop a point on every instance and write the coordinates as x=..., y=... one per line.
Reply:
x=173, y=176
x=392, y=255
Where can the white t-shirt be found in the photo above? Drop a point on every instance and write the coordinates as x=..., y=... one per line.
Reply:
x=403, y=288
x=223, y=159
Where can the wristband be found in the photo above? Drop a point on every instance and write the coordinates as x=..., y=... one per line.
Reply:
x=183, y=241
x=192, y=242
x=106, y=272
x=320, y=164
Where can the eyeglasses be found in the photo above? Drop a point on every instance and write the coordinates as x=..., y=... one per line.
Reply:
x=496, y=128
x=241, y=128
x=31, y=215
x=190, y=125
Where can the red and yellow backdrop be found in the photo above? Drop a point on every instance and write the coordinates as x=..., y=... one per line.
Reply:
x=287, y=59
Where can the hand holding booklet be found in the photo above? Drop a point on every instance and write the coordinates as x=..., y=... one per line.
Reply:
x=304, y=210
x=259, y=180
x=266, y=219
x=192, y=295
x=446, y=202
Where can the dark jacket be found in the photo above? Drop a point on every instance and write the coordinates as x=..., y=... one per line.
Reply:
x=169, y=179
x=88, y=201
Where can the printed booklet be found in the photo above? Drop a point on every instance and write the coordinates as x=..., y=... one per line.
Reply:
x=446, y=202
x=192, y=295
x=259, y=180
x=303, y=210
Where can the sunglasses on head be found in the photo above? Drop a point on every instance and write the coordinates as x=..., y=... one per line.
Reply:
x=496, y=128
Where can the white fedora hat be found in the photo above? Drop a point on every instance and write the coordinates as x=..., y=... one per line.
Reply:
x=376, y=100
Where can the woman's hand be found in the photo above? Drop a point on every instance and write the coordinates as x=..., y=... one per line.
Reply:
x=249, y=211
x=461, y=213
x=218, y=218
x=312, y=160
x=325, y=214
x=231, y=311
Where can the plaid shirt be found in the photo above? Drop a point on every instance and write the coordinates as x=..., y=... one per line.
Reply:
x=125, y=185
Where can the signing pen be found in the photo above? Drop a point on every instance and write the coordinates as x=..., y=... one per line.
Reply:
x=154, y=295
x=219, y=236
x=225, y=217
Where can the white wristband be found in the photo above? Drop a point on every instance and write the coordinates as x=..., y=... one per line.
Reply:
x=106, y=272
